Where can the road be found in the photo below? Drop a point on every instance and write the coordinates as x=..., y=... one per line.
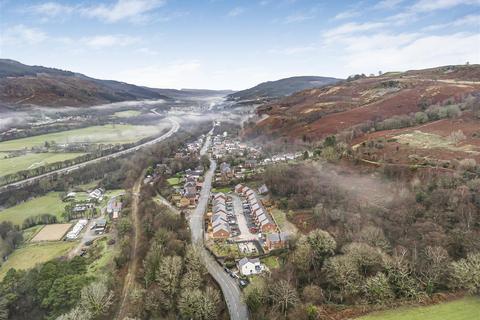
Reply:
x=173, y=129
x=231, y=291
x=132, y=266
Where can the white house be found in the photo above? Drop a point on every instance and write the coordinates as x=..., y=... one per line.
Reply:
x=248, y=266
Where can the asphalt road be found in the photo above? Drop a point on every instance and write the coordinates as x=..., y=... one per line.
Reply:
x=173, y=129
x=231, y=291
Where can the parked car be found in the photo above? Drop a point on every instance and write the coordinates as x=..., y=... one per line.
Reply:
x=243, y=283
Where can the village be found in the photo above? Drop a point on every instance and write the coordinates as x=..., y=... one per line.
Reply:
x=239, y=228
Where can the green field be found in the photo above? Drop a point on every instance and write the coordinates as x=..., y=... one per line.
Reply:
x=49, y=203
x=463, y=309
x=223, y=190
x=27, y=257
x=127, y=114
x=173, y=181
x=109, y=134
x=31, y=161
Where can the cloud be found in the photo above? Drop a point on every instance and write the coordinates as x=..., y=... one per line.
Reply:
x=404, y=51
x=299, y=17
x=52, y=9
x=21, y=34
x=177, y=74
x=468, y=20
x=103, y=41
x=347, y=15
x=131, y=10
x=352, y=27
x=433, y=5
x=387, y=4
x=290, y=51
x=236, y=12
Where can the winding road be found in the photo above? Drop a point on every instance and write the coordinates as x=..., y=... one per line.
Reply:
x=173, y=129
x=231, y=291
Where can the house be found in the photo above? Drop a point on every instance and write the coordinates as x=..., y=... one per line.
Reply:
x=100, y=226
x=226, y=171
x=239, y=188
x=248, y=266
x=263, y=189
x=267, y=226
x=220, y=230
x=251, y=163
x=276, y=240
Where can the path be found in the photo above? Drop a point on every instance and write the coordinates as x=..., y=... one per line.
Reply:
x=133, y=263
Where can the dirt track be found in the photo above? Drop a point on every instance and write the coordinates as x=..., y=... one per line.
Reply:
x=132, y=266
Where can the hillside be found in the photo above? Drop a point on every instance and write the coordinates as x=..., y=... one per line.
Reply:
x=315, y=113
x=281, y=88
x=35, y=85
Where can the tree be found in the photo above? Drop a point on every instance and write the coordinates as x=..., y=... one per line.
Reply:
x=97, y=298
x=313, y=249
x=465, y=273
x=377, y=289
x=197, y=305
x=342, y=275
x=283, y=296
x=168, y=277
x=3, y=309
x=151, y=263
x=433, y=269
x=255, y=295
x=77, y=313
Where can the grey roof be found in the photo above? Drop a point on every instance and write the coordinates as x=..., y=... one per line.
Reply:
x=246, y=260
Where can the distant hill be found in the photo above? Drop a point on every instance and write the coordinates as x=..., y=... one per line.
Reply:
x=192, y=93
x=281, y=88
x=21, y=84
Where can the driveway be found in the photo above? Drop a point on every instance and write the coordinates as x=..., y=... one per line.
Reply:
x=242, y=220
x=86, y=235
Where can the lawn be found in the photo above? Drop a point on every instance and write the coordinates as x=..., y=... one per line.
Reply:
x=173, y=181
x=31, y=161
x=271, y=262
x=463, y=309
x=281, y=219
x=27, y=257
x=49, y=203
x=224, y=190
x=110, y=133
x=127, y=114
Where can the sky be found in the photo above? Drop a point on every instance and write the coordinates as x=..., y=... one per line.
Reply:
x=236, y=44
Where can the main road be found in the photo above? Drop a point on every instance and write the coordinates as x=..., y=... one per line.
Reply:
x=231, y=291
x=173, y=129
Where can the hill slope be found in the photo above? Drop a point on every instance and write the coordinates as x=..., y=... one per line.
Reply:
x=315, y=113
x=281, y=88
x=22, y=84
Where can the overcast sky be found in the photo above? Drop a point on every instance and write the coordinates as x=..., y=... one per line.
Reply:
x=228, y=44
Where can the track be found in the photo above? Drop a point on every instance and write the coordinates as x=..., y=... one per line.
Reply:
x=129, y=281
x=173, y=129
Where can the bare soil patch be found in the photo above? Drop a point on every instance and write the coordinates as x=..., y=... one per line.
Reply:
x=52, y=232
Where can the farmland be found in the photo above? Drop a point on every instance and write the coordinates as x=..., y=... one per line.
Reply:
x=107, y=134
x=464, y=309
x=127, y=114
x=31, y=161
x=49, y=203
x=29, y=256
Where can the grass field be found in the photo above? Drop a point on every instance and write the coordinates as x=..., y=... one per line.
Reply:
x=29, y=233
x=127, y=114
x=281, y=219
x=27, y=257
x=31, y=161
x=114, y=134
x=173, y=181
x=463, y=309
x=49, y=203
x=425, y=140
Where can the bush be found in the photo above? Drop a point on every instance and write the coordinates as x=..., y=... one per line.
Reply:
x=377, y=289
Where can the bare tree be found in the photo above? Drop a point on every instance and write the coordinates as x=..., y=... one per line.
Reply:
x=284, y=296
x=97, y=298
